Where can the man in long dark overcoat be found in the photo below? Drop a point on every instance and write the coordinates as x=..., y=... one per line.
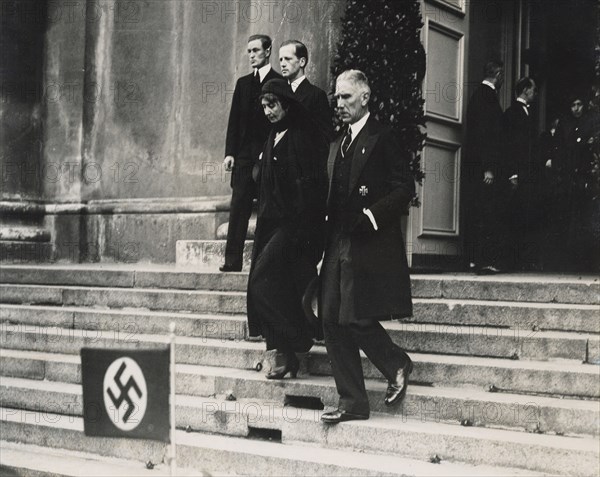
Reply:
x=485, y=181
x=247, y=131
x=364, y=276
x=524, y=169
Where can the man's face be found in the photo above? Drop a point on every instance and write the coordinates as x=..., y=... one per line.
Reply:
x=499, y=78
x=577, y=108
x=291, y=65
x=273, y=110
x=258, y=56
x=530, y=93
x=351, y=101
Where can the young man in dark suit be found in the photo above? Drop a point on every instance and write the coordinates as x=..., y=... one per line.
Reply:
x=246, y=133
x=484, y=177
x=364, y=277
x=293, y=58
x=525, y=205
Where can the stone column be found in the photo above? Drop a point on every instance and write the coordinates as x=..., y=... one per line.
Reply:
x=22, y=236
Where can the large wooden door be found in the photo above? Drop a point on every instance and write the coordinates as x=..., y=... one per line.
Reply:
x=433, y=232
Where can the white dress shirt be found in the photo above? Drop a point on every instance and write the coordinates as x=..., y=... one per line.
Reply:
x=357, y=127
x=264, y=71
x=294, y=84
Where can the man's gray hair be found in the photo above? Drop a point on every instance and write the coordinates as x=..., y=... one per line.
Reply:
x=356, y=77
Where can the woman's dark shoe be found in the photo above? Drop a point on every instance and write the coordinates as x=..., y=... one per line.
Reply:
x=284, y=363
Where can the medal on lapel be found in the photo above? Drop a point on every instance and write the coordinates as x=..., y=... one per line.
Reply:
x=363, y=190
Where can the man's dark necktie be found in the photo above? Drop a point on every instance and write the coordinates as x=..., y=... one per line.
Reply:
x=346, y=141
x=256, y=79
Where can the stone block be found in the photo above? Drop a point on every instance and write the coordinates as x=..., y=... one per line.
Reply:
x=35, y=315
x=18, y=368
x=207, y=255
x=26, y=294
x=25, y=251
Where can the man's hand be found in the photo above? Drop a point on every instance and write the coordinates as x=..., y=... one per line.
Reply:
x=228, y=163
x=488, y=177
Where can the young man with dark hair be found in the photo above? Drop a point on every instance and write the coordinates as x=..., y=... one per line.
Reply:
x=293, y=58
x=525, y=204
x=247, y=131
x=485, y=184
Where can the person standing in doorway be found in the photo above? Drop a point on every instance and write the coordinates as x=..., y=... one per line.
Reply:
x=486, y=184
x=526, y=173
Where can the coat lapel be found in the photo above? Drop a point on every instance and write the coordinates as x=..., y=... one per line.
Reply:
x=333, y=150
x=364, y=146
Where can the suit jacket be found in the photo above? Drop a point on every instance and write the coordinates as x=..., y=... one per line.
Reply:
x=484, y=135
x=247, y=112
x=315, y=100
x=519, y=141
x=381, y=181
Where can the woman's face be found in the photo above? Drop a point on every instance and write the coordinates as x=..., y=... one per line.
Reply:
x=273, y=110
x=577, y=108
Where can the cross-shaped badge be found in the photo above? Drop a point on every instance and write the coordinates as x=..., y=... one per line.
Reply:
x=364, y=190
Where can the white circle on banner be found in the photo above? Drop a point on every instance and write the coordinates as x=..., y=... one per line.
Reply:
x=125, y=393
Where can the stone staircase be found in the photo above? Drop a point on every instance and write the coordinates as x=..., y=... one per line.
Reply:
x=506, y=378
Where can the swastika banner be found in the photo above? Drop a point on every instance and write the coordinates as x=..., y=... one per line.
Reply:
x=126, y=393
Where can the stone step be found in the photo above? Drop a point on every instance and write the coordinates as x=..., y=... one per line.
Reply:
x=383, y=434
x=560, y=378
x=448, y=402
x=229, y=454
x=127, y=320
x=18, y=460
x=535, y=288
x=525, y=317
x=419, y=337
x=24, y=251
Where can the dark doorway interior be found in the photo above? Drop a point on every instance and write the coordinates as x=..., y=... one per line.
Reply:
x=560, y=54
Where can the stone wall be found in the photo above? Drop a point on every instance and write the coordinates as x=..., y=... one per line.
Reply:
x=126, y=131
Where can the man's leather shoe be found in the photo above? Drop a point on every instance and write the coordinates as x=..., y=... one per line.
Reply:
x=333, y=417
x=397, y=390
x=229, y=268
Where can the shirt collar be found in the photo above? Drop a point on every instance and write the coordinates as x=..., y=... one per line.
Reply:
x=490, y=84
x=523, y=102
x=264, y=71
x=357, y=127
x=294, y=84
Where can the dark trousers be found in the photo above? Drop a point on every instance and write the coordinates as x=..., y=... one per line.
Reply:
x=281, y=270
x=346, y=334
x=244, y=191
x=491, y=247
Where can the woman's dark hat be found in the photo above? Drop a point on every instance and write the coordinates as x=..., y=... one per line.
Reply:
x=280, y=88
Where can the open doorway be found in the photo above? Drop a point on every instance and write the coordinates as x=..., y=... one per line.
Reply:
x=558, y=51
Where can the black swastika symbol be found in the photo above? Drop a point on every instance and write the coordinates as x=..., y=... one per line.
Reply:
x=124, y=395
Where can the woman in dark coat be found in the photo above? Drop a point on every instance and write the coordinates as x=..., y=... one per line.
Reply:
x=292, y=182
x=578, y=212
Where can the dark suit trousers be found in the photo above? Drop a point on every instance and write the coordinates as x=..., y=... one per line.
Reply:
x=492, y=226
x=346, y=334
x=244, y=191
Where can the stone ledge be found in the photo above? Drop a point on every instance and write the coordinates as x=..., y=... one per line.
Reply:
x=118, y=206
x=24, y=234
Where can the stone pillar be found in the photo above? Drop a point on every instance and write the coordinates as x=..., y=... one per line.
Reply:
x=22, y=236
